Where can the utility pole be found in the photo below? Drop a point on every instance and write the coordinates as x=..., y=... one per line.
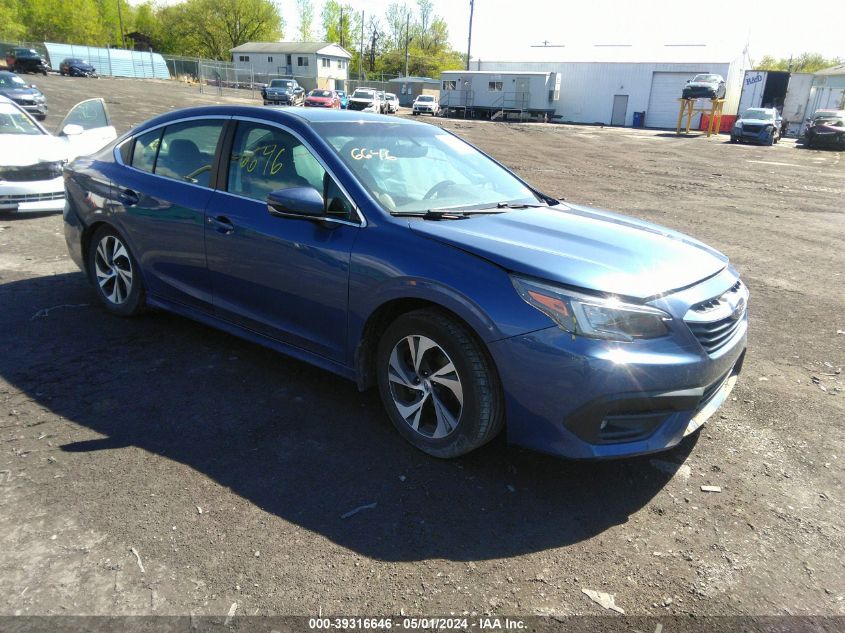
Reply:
x=361, y=56
x=341, y=26
x=120, y=20
x=407, y=39
x=469, y=39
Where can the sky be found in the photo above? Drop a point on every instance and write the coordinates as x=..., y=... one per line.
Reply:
x=510, y=30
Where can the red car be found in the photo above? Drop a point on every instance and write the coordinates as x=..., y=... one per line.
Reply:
x=322, y=99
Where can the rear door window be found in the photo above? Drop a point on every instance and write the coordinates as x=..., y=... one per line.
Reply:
x=187, y=151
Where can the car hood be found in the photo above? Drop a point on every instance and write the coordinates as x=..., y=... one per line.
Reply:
x=280, y=91
x=756, y=121
x=583, y=248
x=83, y=67
x=17, y=93
x=17, y=150
x=702, y=84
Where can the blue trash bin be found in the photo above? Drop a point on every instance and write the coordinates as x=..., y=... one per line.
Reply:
x=639, y=119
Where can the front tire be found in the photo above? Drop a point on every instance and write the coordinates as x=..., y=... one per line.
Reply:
x=115, y=274
x=438, y=386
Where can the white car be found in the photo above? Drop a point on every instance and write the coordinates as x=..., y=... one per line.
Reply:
x=391, y=103
x=425, y=104
x=32, y=159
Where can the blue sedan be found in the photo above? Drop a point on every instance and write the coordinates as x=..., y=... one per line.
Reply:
x=399, y=256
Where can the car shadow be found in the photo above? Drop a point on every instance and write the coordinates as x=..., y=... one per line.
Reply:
x=296, y=441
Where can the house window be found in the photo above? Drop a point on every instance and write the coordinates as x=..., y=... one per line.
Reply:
x=450, y=85
x=243, y=58
x=327, y=63
x=270, y=59
x=301, y=61
x=494, y=86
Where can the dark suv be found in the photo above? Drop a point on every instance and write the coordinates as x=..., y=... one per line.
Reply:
x=283, y=92
x=26, y=60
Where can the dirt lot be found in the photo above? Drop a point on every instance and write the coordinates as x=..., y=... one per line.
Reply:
x=158, y=466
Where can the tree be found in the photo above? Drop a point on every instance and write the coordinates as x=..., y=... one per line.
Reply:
x=75, y=21
x=212, y=27
x=803, y=63
x=306, y=19
x=11, y=27
x=346, y=34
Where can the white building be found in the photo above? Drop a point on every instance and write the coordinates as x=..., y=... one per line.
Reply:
x=608, y=84
x=312, y=64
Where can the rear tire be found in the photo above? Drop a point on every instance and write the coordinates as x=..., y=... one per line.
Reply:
x=438, y=386
x=115, y=274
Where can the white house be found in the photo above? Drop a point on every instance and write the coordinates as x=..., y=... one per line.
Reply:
x=312, y=64
x=608, y=84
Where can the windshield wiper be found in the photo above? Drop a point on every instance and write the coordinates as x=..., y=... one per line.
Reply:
x=445, y=214
x=517, y=205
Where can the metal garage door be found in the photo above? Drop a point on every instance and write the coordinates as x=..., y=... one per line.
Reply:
x=663, y=103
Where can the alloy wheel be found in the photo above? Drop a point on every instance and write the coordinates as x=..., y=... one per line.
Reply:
x=113, y=268
x=425, y=386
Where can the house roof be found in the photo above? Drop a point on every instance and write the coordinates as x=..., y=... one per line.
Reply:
x=416, y=80
x=292, y=48
x=833, y=70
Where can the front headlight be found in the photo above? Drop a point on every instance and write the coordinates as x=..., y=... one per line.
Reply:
x=595, y=317
x=738, y=125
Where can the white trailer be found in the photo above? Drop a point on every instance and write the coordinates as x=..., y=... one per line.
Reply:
x=788, y=92
x=493, y=94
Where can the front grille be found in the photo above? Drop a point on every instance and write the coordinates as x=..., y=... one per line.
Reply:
x=715, y=334
x=753, y=129
x=358, y=105
x=28, y=173
x=714, y=321
x=31, y=197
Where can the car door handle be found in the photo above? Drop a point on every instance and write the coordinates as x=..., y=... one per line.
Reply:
x=128, y=198
x=221, y=224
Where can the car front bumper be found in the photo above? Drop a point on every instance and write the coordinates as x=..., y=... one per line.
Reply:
x=281, y=101
x=34, y=107
x=587, y=398
x=751, y=136
x=37, y=196
x=424, y=109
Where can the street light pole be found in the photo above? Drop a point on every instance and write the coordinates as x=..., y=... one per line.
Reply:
x=469, y=39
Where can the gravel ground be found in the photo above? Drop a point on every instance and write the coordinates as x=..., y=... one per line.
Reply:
x=156, y=466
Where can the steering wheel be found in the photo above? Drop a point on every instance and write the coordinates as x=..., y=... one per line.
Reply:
x=192, y=176
x=443, y=184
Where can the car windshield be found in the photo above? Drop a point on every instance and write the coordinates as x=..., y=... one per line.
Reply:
x=425, y=98
x=706, y=78
x=390, y=97
x=13, y=121
x=758, y=113
x=412, y=168
x=281, y=83
x=320, y=93
x=363, y=94
x=11, y=81
x=341, y=93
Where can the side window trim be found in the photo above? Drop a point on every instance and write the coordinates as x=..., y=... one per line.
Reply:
x=223, y=171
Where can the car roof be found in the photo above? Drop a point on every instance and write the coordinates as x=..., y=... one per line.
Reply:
x=835, y=112
x=278, y=114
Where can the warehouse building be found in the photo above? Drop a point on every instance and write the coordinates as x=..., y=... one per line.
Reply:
x=609, y=84
x=828, y=90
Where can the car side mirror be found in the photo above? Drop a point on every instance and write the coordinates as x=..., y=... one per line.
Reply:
x=72, y=129
x=296, y=201
x=33, y=86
